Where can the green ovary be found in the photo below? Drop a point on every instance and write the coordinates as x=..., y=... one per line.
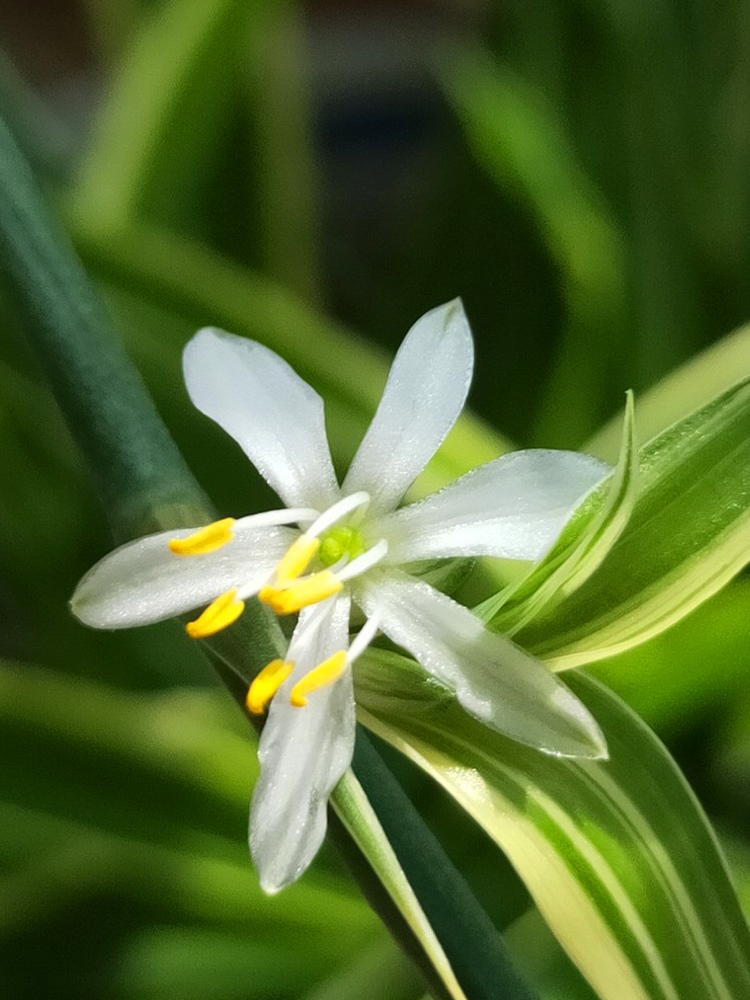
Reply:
x=339, y=542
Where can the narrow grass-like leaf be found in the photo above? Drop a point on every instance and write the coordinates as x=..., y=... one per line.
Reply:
x=141, y=477
x=383, y=964
x=617, y=855
x=181, y=766
x=278, y=93
x=361, y=820
x=582, y=547
x=688, y=535
x=47, y=141
x=472, y=943
x=667, y=680
x=433, y=899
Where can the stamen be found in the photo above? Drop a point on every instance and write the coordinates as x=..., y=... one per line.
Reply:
x=286, y=515
x=340, y=509
x=298, y=557
x=218, y=615
x=266, y=684
x=363, y=638
x=288, y=591
x=331, y=669
x=325, y=673
x=364, y=562
x=292, y=597
x=204, y=540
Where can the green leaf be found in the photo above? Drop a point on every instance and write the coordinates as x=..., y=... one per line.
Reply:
x=688, y=535
x=141, y=477
x=449, y=925
x=473, y=946
x=617, y=855
x=581, y=548
x=667, y=680
x=383, y=964
x=285, y=169
x=47, y=141
x=158, y=781
x=172, y=86
x=361, y=821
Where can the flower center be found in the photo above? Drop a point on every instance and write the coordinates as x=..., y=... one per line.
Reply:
x=333, y=545
x=341, y=542
x=339, y=548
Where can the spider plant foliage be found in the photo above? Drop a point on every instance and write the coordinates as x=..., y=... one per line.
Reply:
x=342, y=616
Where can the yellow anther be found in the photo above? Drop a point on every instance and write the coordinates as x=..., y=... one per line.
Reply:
x=204, y=540
x=293, y=597
x=266, y=684
x=298, y=557
x=325, y=673
x=220, y=613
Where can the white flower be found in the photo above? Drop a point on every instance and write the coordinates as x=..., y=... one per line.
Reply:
x=333, y=545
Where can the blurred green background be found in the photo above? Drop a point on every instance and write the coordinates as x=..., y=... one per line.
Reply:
x=308, y=173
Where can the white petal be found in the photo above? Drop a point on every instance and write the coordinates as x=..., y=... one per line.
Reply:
x=143, y=582
x=514, y=507
x=425, y=392
x=303, y=753
x=494, y=680
x=273, y=414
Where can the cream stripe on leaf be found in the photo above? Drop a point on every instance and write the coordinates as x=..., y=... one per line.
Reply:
x=617, y=854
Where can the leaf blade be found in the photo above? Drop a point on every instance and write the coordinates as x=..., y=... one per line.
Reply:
x=360, y=820
x=618, y=855
x=581, y=548
x=688, y=535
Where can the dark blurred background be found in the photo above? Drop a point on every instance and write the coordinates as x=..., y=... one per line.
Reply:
x=577, y=172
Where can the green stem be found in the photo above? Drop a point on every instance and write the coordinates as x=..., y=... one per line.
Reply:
x=470, y=940
x=142, y=479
